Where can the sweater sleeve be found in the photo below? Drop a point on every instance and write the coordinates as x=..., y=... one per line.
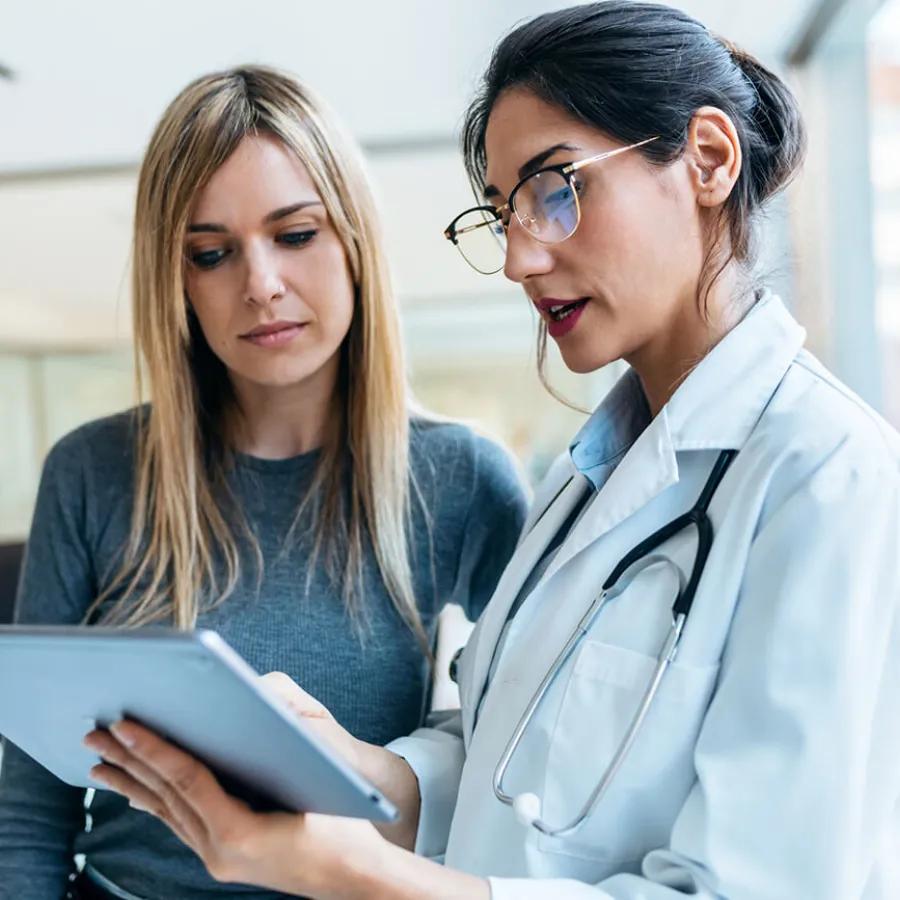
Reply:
x=498, y=505
x=39, y=814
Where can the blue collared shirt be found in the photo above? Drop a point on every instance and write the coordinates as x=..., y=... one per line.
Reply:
x=611, y=430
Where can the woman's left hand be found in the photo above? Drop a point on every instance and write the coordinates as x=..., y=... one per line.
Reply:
x=310, y=855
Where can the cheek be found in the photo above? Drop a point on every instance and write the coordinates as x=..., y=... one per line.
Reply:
x=325, y=284
x=667, y=216
x=639, y=242
x=213, y=311
x=342, y=293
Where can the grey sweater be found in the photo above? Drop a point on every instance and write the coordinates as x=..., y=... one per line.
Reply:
x=476, y=505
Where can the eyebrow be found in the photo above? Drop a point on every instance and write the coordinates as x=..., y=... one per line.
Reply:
x=532, y=165
x=273, y=216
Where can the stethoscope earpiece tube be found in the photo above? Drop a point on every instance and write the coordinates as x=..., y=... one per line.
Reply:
x=699, y=515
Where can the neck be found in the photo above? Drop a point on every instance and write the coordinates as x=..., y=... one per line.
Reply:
x=683, y=342
x=278, y=423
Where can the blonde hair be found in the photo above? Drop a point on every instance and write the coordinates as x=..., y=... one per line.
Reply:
x=180, y=532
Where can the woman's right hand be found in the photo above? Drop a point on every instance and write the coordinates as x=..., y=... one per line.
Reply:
x=390, y=773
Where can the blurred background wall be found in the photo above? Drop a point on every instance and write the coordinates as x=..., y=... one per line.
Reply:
x=88, y=80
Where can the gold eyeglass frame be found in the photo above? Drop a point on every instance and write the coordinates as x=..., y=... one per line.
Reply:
x=566, y=170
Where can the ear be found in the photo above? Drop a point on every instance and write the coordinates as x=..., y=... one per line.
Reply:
x=713, y=155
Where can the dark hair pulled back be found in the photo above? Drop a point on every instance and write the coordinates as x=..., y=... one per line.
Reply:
x=633, y=70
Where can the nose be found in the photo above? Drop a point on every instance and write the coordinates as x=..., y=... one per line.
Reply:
x=264, y=282
x=525, y=256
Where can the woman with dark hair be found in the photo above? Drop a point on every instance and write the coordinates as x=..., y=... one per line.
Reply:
x=685, y=683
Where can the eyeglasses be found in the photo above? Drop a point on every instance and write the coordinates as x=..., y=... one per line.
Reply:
x=545, y=203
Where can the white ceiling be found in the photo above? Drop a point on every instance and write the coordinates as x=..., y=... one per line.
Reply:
x=93, y=76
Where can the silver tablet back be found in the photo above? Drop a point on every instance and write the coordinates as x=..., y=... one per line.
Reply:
x=57, y=684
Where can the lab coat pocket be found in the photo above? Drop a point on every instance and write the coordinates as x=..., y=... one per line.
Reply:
x=602, y=696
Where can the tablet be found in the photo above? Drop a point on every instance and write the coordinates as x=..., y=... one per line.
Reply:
x=57, y=684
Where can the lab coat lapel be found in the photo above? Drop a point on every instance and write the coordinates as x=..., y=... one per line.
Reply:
x=649, y=467
x=484, y=639
x=646, y=471
x=716, y=408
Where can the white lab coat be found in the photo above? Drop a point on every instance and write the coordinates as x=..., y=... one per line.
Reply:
x=769, y=767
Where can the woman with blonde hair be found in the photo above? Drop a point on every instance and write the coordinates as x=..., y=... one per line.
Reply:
x=278, y=489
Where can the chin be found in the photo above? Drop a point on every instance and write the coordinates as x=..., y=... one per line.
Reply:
x=278, y=377
x=583, y=362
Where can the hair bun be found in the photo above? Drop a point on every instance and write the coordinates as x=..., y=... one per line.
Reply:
x=781, y=142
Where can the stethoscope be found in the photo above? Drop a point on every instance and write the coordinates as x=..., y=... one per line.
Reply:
x=527, y=806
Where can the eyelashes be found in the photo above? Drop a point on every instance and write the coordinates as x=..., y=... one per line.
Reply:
x=210, y=259
x=207, y=259
x=297, y=238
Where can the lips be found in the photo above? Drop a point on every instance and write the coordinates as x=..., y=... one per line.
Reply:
x=561, y=315
x=274, y=334
x=270, y=328
x=559, y=309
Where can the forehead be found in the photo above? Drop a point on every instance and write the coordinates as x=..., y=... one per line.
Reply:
x=521, y=126
x=261, y=174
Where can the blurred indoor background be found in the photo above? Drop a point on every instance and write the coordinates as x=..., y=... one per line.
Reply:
x=82, y=85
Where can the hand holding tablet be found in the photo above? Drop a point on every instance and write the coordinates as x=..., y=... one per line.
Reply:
x=58, y=684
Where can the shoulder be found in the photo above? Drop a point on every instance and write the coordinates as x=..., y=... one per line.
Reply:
x=86, y=488
x=100, y=445
x=94, y=464
x=816, y=430
x=456, y=450
x=438, y=438
x=821, y=415
x=457, y=468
